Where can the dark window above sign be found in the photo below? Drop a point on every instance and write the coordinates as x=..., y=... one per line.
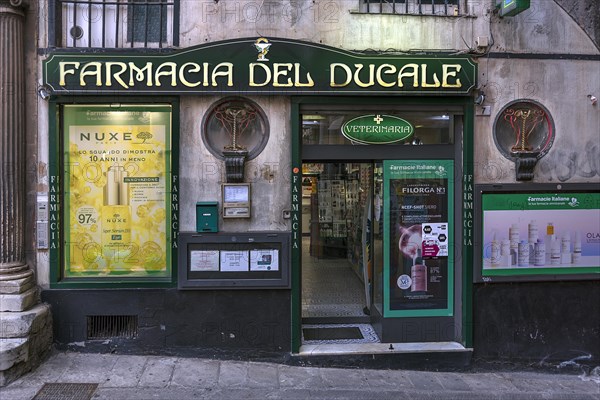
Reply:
x=378, y=126
x=413, y=7
x=113, y=23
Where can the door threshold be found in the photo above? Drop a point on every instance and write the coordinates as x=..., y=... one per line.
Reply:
x=327, y=349
x=439, y=356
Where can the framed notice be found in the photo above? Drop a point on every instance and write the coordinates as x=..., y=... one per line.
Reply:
x=232, y=261
x=418, y=226
x=264, y=260
x=538, y=235
x=204, y=260
x=117, y=208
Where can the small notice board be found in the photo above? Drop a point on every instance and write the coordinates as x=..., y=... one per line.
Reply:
x=234, y=260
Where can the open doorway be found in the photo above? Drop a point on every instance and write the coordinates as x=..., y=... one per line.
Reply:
x=337, y=262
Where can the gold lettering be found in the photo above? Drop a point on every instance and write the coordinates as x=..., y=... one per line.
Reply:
x=228, y=73
x=446, y=73
x=140, y=73
x=413, y=74
x=170, y=70
x=281, y=69
x=205, y=74
x=64, y=71
x=359, y=68
x=346, y=69
x=424, y=78
x=95, y=71
x=265, y=69
x=195, y=68
x=117, y=75
x=297, y=82
x=389, y=69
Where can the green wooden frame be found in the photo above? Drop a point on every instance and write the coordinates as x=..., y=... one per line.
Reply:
x=56, y=201
x=466, y=219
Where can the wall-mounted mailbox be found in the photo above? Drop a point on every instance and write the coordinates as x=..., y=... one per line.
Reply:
x=207, y=216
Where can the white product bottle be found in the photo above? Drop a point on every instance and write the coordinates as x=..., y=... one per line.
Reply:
x=549, y=238
x=539, y=253
x=523, y=254
x=576, y=256
x=554, y=252
x=532, y=235
x=495, y=256
x=513, y=234
x=418, y=274
x=565, y=248
x=505, y=257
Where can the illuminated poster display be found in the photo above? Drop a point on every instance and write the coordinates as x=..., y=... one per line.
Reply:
x=540, y=234
x=418, y=237
x=117, y=191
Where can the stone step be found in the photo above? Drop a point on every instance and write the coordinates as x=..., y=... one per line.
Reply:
x=19, y=302
x=13, y=351
x=25, y=323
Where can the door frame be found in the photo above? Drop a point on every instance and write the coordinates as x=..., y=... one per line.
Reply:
x=463, y=203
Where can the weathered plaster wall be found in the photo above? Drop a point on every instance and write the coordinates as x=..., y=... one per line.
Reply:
x=562, y=85
x=336, y=23
x=201, y=174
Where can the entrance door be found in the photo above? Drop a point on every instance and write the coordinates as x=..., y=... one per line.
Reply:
x=336, y=266
x=382, y=222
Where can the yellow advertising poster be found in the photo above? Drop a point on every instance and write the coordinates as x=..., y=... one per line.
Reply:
x=116, y=191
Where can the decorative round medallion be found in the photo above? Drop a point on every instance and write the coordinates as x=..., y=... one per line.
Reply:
x=523, y=128
x=235, y=124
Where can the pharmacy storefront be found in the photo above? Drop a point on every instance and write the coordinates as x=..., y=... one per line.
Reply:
x=261, y=195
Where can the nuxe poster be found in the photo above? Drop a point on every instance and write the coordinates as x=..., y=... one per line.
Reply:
x=116, y=190
x=418, y=207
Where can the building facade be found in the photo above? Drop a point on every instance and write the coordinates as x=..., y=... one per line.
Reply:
x=261, y=179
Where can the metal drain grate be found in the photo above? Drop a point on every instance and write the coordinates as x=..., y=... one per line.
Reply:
x=66, y=391
x=112, y=326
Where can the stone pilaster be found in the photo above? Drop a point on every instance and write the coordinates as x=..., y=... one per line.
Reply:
x=25, y=326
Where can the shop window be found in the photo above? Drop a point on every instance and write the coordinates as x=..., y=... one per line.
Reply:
x=412, y=7
x=116, y=207
x=114, y=23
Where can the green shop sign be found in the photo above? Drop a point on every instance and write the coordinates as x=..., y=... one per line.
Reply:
x=258, y=66
x=377, y=129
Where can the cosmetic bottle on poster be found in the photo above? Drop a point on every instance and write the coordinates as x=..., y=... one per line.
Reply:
x=418, y=274
x=505, y=256
x=576, y=256
x=523, y=259
x=495, y=256
x=514, y=236
x=532, y=236
x=116, y=212
x=549, y=238
x=555, y=252
x=565, y=248
x=539, y=256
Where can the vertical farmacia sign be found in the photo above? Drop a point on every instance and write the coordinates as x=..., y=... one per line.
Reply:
x=116, y=191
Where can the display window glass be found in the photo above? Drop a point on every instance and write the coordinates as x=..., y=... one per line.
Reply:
x=116, y=192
